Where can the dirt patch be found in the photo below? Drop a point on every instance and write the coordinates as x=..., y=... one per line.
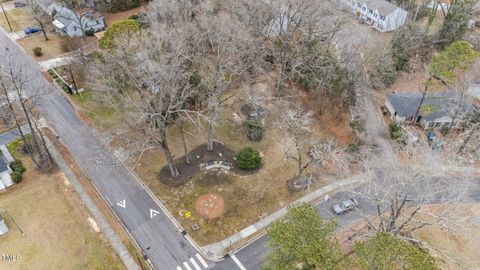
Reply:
x=209, y=205
x=339, y=126
x=111, y=18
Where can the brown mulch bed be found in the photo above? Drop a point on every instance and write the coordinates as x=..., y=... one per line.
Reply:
x=210, y=205
x=198, y=156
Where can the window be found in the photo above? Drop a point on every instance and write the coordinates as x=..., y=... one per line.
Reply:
x=375, y=15
x=382, y=17
x=370, y=11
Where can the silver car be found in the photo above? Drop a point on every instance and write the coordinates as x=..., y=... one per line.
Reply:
x=345, y=206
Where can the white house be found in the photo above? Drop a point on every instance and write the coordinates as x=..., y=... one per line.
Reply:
x=69, y=23
x=381, y=14
x=438, y=109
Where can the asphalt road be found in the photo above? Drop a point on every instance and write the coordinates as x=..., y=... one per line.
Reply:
x=250, y=257
x=158, y=237
x=149, y=225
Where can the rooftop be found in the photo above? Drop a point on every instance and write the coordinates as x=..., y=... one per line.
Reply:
x=384, y=7
x=3, y=164
x=435, y=105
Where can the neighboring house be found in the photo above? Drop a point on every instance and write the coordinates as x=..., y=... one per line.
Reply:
x=438, y=109
x=69, y=23
x=46, y=5
x=381, y=14
x=5, y=177
x=3, y=226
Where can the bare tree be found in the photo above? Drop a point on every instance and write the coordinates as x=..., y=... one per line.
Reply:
x=401, y=192
x=472, y=126
x=222, y=50
x=14, y=83
x=147, y=79
x=295, y=126
x=39, y=15
x=294, y=25
x=224, y=60
x=8, y=109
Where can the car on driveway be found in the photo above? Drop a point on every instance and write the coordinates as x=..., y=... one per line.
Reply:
x=32, y=30
x=19, y=4
x=344, y=206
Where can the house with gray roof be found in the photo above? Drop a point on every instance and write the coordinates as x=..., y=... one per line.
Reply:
x=74, y=24
x=381, y=14
x=5, y=170
x=438, y=109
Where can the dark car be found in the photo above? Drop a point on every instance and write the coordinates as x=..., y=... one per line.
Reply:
x=19, y=4
x=345, y=206
x=32, y=30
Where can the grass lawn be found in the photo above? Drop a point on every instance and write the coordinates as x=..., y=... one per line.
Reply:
x=458, y=243
x=13, y=148
x=247, y=197
x=19, y=19
x=58, y=232
x=102, y=117
x=51, y=48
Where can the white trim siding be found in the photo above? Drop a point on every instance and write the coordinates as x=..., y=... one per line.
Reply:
x=381, y=14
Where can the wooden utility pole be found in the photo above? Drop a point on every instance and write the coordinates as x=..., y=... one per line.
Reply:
x=73, y=78
x=6, y=17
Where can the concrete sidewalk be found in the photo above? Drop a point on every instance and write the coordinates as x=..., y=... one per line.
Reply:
x=59, y=61
x=218, y=250
x=18, y=35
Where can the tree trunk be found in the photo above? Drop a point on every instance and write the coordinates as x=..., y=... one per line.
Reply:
x=47, y=151
x=467, y=140
x=422, y=100
x=73, y=78
x=280, y=82
x=20, y=131
x=43, y=29
x=211, y=126
x=168, y=155
x=30, y=125
x=300, y=168
x=185, y=149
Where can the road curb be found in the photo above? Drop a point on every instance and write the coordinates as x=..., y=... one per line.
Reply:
x=219, y=249
x=107, y=230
